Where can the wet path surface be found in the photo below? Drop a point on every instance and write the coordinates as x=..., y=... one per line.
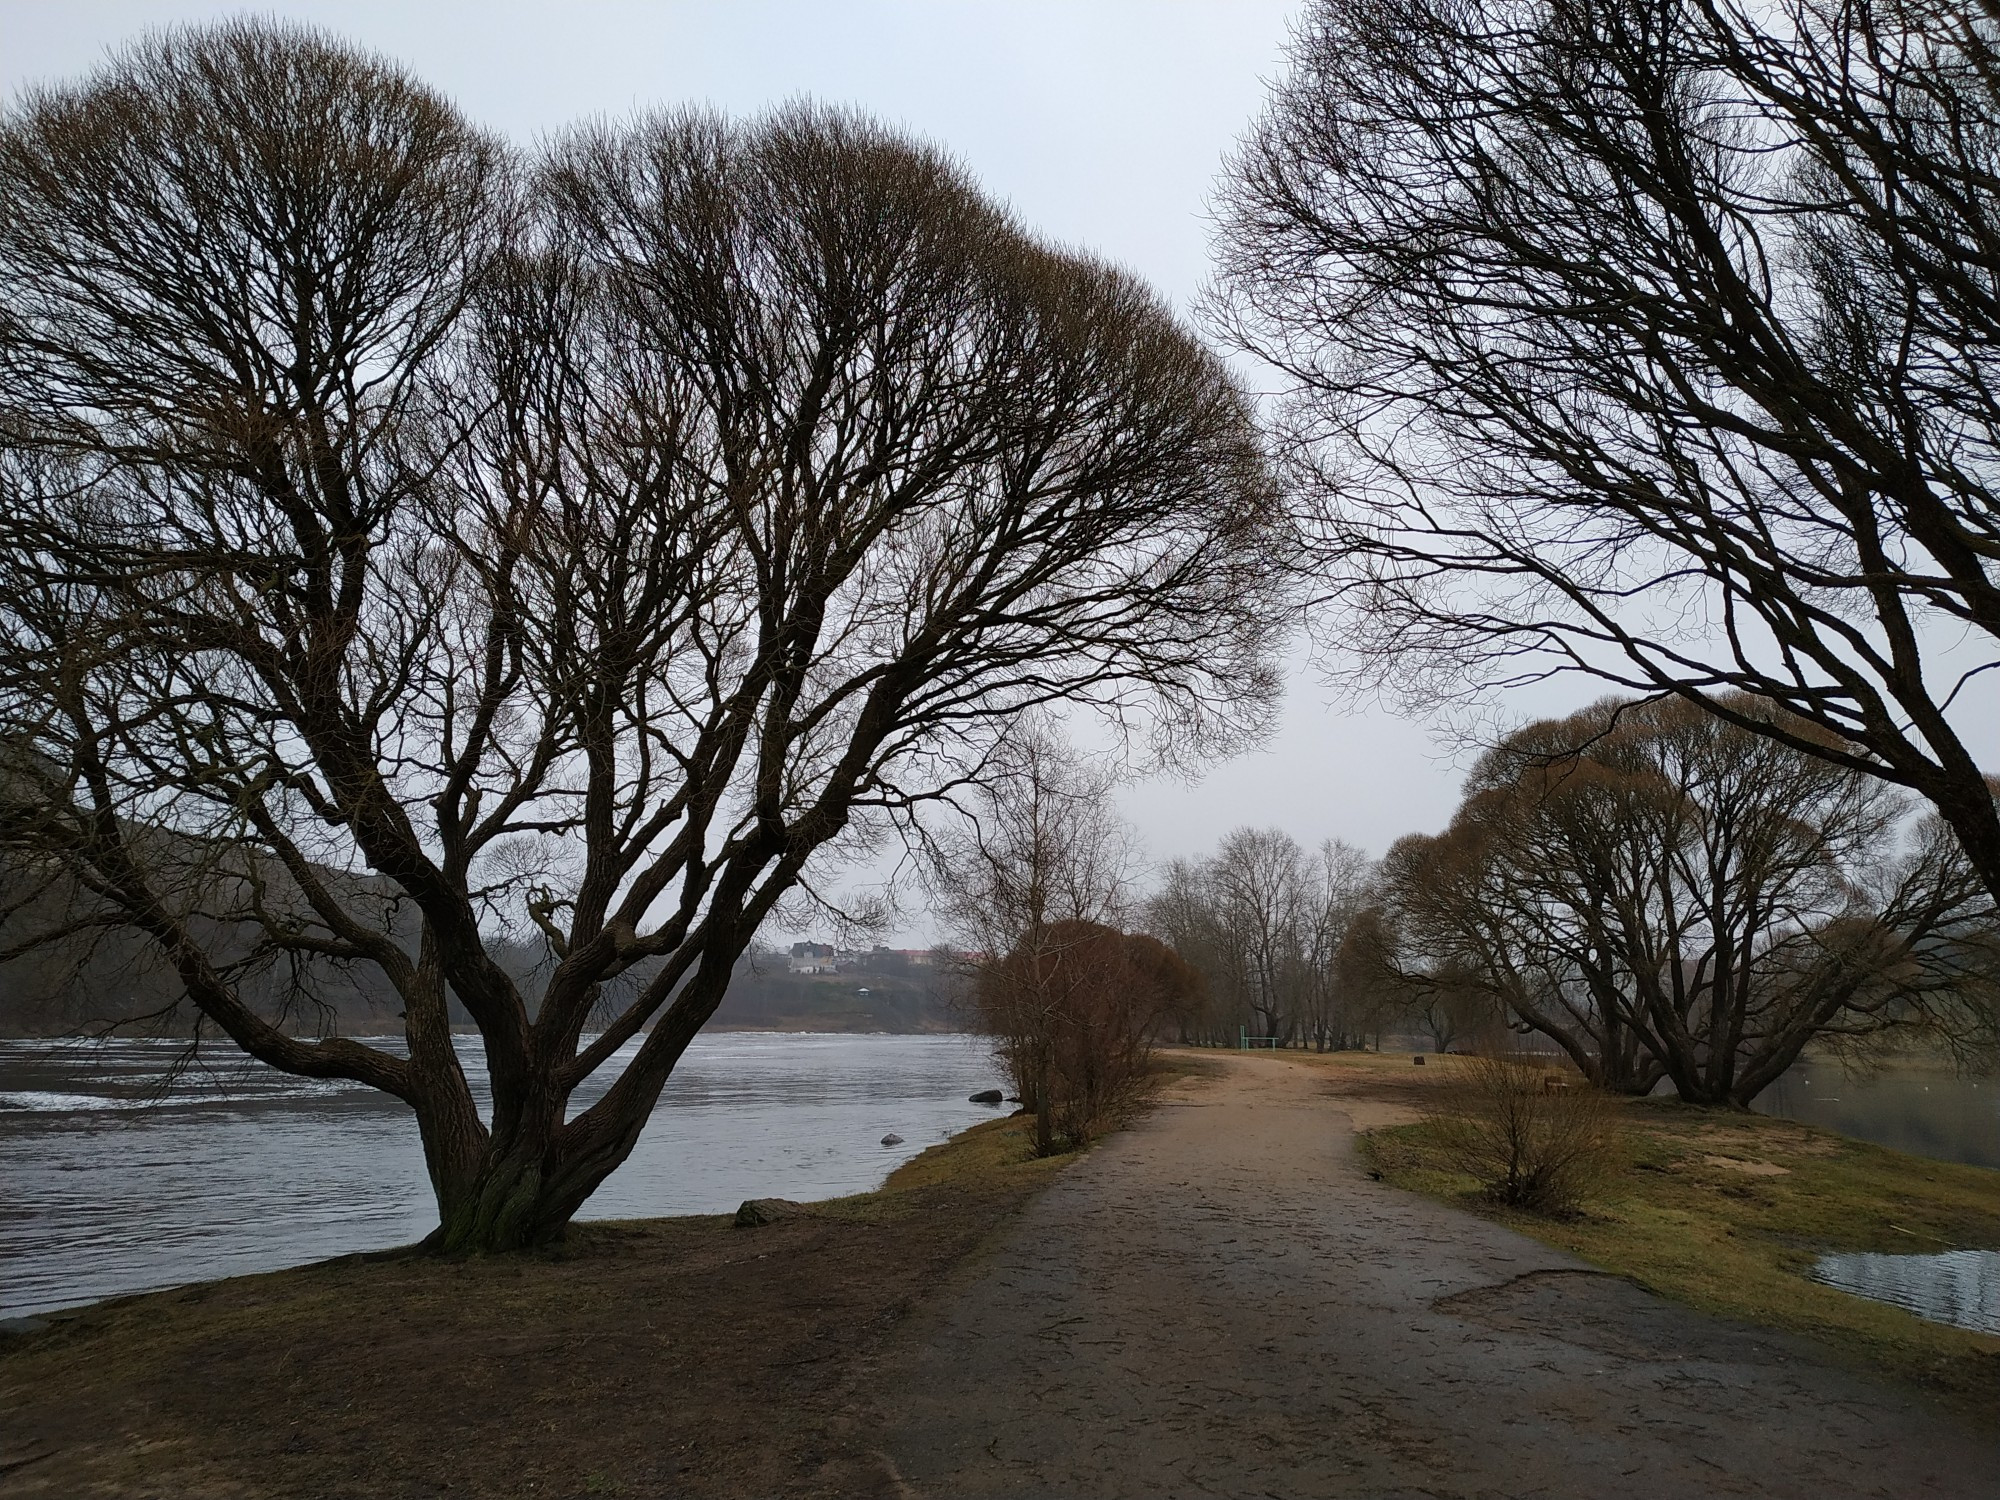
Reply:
x=1220, y=1302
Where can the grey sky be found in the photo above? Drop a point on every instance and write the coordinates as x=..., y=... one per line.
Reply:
x=1103, y=124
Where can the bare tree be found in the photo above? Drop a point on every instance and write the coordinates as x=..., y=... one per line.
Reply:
x=574, y=546
x=1514, y=909
x=1031, y=880
x=1177, y=913
x=1337, y=883
x=1688, y=899
x=1037, y=841
x=1263, y=922
x=1389, y=985
x=1257, y=883
x=1655, y=340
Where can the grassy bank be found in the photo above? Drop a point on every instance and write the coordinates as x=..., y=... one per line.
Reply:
x=669, y=1356
x=1727, y=1212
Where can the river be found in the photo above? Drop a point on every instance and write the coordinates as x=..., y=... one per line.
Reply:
x=109, y=1186
x=1924, y=1109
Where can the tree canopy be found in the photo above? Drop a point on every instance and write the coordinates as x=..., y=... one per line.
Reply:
x=1686, y=899
x=1653, y=340
x=410, y=541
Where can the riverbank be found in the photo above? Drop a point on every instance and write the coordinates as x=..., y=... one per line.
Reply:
x=680, y=1356
x=1216, y=1298
x=1726, y=1212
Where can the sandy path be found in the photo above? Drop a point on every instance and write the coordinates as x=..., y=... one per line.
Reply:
x=1219, y=1302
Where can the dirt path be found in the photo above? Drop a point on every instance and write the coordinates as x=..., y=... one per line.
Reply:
x=1219, y=1302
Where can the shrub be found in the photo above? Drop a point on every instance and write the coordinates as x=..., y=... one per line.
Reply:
x=1533, y=1138
x=1072, y=1010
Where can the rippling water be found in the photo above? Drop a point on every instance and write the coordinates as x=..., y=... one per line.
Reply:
x=108, y=1186
x=1959, y=1287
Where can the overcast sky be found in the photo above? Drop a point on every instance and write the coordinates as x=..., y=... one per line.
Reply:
x=1103, y=124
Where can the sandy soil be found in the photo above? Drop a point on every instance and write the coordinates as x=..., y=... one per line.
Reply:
x=1220, y=1302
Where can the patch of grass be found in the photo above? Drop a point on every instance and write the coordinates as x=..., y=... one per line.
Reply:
x=1727, y=1212
x=1172, y=1064
x=996, y=1151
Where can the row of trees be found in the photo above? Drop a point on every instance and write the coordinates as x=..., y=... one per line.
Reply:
x=1262, y=921
x=1648, y=887
x=1651, y=889
x=1650, y=340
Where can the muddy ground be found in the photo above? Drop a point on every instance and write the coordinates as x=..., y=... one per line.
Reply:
x=1221, y=1302
x=674, y=1357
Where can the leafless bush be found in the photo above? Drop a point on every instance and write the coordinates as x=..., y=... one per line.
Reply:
x=1534, y=1138
x=1072, y=1010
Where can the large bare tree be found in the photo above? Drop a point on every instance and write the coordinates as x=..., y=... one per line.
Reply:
x=408, y=544
x=1654, y=340
x=1690, y=900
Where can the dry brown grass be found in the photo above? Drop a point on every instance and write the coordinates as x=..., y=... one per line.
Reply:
x=1727, y=1212
x=667, y=1356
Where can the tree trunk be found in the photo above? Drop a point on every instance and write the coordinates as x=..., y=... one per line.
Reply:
x=522, y=1195
x=537, y=1168
x=507, y=1205
x=1045, y=1119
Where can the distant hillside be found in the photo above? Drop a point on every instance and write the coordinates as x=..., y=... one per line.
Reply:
x=101, y=976
x=888, y=996
x=120, y=978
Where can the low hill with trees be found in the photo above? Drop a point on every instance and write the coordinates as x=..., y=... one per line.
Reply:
x=879, y=992
x=117, y=981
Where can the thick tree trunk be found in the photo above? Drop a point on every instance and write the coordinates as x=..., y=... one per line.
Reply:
x=520, y=1196
x=540, y=1165
x=1045, y=1119
x=505, y=1206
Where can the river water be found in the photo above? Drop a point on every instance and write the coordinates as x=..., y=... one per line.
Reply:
x=1924, y=1109
x=108, y=1186
x=1959, y=1287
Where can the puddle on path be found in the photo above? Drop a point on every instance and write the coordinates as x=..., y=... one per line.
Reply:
x=1959, y=1287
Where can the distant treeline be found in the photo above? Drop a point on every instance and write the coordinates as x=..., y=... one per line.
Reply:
x=1657, y=893
x=93, y=980
x=879, y=992
x=46, y=994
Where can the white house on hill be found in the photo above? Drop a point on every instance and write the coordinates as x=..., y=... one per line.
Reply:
x=810, y=958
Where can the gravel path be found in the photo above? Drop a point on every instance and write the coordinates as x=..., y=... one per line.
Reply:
x=1220, y=1302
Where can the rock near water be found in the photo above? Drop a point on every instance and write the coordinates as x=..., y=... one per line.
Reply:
x=987, y=1096
x=757, y=1212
